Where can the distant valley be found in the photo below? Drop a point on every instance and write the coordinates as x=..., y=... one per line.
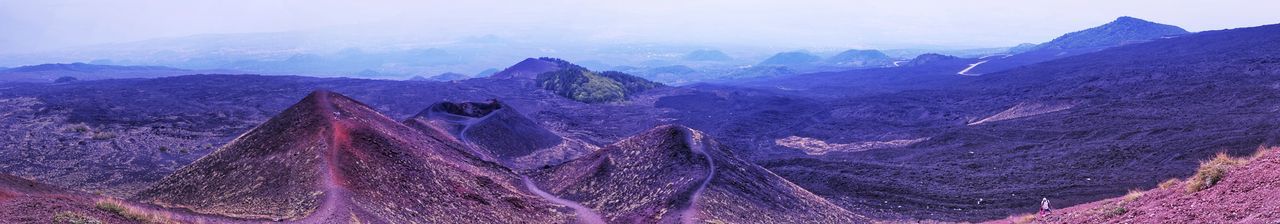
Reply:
x=1127, y=121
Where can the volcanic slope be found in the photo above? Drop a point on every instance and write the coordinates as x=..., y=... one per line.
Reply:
x=329, y=158
x=26, y=201
x=499, y=132
x=1225, y=190
x=673, y=174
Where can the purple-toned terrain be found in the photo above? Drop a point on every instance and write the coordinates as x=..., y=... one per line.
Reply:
x=1128, y=122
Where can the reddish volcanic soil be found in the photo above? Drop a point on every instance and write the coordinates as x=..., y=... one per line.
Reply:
x=25, y=201
x=332, y=159
x=1247, y=193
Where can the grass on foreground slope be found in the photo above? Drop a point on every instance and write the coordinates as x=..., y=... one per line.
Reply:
x=1212, y=171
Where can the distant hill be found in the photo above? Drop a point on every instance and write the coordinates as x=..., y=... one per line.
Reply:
x=930, y=58
x=706, y=55
x=449, y=76
x=82, y=71
x=673, y=69
x=576, y=82
x=673, y=174
x=531, y=67
x=761, y=72
x=590, y=87
x=794, y=58
x=487, y=72
x=1122, y=31
x=860, y=58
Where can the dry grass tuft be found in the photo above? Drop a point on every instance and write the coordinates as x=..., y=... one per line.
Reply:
x=66, y=217
x=103, y=135
x=1025, y=219
x=119, y=208
x=1169, y=183
x=78, y=128
x=1133, y=195
x=1212, y=171
x=1116, y=211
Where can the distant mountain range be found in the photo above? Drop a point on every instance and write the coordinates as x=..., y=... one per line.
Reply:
x=82, y=71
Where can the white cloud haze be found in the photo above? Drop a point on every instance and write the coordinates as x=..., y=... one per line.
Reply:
x=53, y=24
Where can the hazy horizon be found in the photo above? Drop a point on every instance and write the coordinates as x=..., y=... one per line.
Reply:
x=51, y=25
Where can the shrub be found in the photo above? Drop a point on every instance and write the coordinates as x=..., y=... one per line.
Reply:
x=109, y=206
x=1025, y=219
x=65, y=79
x=103, y=135
x=1133, y=195
x=67, y=217
x=118, y=208
x=1168, y=183
x=1117, y=211
x=1210, y=172
x=79, y=128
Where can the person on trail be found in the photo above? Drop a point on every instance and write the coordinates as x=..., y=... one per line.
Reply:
x=1044, y=206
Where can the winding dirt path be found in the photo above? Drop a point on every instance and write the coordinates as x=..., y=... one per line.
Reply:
x=585, y=215
x=689, y=214
x=333, y=191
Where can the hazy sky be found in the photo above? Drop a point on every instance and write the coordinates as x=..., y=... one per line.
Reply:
x=51, y=24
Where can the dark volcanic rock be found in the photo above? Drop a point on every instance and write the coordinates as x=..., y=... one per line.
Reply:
x=332, y=159
x=498, y=132
x=672, y=174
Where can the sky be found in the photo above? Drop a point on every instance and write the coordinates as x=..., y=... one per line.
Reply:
x=33, y=26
